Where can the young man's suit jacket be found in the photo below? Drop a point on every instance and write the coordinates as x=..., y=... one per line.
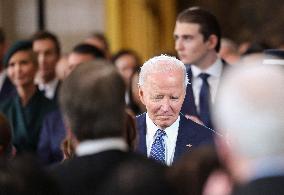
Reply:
x=190, y=135
x=189, y=107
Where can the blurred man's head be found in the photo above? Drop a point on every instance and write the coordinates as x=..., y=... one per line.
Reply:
x=250, y=113
x=83, y=53
x=97, y=109
x=162, y=86
x=197, y=34
x=47, y=48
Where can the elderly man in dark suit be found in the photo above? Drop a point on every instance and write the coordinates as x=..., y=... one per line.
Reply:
x=250, y=111
x=96, y=116
x=164, y=133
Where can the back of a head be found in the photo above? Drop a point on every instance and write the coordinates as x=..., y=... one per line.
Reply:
x=250, y=110
x=208, y=22
x=92, y=101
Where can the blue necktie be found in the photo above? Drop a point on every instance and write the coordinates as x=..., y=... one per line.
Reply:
x=158, y=147
x=204, y=101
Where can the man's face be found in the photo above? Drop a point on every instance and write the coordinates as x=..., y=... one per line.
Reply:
x=189, y=43
x=47, y=58
x=74, y=59
x=163, y=94
x=21, y=70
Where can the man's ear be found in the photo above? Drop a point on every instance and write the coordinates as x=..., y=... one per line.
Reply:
x=212, y=41
x=141, y=94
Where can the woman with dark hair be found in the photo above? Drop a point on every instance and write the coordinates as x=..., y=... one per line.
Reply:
x=26, y=110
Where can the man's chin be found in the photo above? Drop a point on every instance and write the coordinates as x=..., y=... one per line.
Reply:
x=165, y=122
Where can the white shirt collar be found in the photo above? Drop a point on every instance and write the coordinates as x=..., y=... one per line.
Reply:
x=214, y=70
x=49, y=87
x=95, y=146
x=153, y=127
x=170, y=138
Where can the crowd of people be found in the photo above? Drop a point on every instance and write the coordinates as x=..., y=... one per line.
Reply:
x=207, y=121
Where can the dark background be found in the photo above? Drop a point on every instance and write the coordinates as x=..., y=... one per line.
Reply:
x=243, y=20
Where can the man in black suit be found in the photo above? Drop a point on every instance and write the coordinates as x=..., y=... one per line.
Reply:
x=197, y=42
x=162, y=129
x=92, y=102
x=250, y=112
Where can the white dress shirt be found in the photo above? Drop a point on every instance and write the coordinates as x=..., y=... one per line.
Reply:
x=49, y=88
x=215, y=72
x=89, y=147
x=170, y=138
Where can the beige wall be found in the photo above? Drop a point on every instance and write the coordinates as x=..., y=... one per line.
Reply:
x=71, y=20
x=18, y=18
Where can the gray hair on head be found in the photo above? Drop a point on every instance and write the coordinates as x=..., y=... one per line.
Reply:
x=162, y=63
x=250, y=110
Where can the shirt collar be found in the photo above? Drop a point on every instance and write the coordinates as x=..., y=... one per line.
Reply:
x=152, y=128
x=48, y=86
x=214, y=70
x=95, y=146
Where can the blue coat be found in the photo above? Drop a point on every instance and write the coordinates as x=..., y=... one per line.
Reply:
x=189, y=133
x=52, y=134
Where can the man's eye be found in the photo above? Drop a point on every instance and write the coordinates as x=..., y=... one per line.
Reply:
x=159, y=97
x=174, y=97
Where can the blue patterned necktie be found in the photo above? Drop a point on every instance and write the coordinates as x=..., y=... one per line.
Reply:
x=158, y=147
x=204, y=100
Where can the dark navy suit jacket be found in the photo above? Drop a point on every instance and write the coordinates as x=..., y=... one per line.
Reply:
x=189, y=133
x=52, y=134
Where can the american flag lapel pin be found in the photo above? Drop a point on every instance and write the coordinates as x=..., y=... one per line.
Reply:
x=189, y=145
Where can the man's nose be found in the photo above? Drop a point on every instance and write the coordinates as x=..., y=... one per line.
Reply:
x=165, y=105
x=178, y=45
x=41, y=59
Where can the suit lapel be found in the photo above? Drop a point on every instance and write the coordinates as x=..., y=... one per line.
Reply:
x=141, y=124
x=188, y=106
x=185, y=138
